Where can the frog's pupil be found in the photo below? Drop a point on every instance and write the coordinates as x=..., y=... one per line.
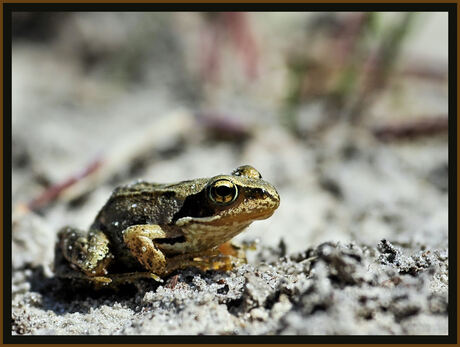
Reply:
x=223, y=191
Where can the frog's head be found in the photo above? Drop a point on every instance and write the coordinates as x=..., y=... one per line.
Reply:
x=242, y=196
x=215, y=210
x=232, y=200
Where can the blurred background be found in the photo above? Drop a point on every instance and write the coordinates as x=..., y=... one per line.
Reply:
x=345, y=113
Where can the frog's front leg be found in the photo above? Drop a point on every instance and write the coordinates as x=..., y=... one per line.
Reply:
x=139, y=239
x=88, y=251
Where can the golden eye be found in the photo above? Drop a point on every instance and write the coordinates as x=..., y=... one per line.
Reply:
x=223, y=192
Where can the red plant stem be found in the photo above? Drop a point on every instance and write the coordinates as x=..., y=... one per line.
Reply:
x=52, y=192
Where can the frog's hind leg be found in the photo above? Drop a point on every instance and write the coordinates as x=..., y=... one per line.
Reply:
x=89, y=252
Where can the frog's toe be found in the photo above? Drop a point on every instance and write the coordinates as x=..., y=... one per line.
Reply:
x=101, y=279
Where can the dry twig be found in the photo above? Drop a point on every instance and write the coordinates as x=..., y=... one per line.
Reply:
x=411, y=129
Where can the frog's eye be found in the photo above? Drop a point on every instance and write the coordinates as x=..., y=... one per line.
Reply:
x=223, y=192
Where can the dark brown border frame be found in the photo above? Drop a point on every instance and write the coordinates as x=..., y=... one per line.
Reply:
x=7, y=7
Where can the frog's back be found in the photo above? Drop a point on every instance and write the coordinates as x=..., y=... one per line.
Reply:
x=138, y=203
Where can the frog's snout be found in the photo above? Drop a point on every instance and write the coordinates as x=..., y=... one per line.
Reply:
x=273, y=196
x=269, y=201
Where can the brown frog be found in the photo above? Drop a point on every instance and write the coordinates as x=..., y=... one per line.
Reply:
x=149, y=230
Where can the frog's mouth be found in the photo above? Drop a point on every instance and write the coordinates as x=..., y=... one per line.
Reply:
x=171, y=240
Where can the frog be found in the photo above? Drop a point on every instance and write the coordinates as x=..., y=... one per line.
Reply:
x=149, y=230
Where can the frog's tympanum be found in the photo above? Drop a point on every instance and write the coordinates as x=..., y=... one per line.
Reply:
x=149, y=230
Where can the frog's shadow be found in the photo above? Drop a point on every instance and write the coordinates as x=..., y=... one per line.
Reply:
x=68, y=296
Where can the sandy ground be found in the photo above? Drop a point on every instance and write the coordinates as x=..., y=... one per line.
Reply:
x=357, y=246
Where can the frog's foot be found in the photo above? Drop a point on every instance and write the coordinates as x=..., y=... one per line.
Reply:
x=139, y=239
x=131, y=277
x=88, y=253
x=207, y=260
x=229, y=248
x=128, y=277
x=111, y=281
